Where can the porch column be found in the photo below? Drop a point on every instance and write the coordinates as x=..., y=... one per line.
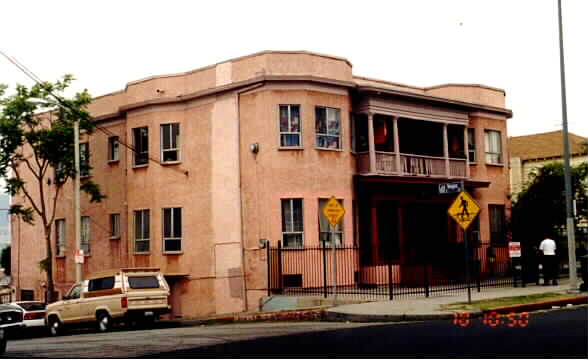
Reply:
x=371, y=144
x=467, y=152
x=446, y=150
x=396, y=143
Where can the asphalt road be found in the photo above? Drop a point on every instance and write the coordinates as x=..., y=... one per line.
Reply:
x=552, y=334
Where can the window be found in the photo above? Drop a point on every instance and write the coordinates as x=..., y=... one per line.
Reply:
x=170, y=142
x=325, y=227
x=292, y=223
x=27, y=295
x=85, y=243
x=60, y=237
x=141, y=231
x=290, y=126
x=74, y=293
x=113, y=148
x=328, y=128
x=59, y=177
x=493, y=147
x=106, y=283
x=84, y=159
x=143, y=282
x=172, y=229
x=141, y=146
x=472, y=145
x=114, y=226
x=497, y=225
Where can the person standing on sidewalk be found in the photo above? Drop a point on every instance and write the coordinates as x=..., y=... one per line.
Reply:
x=547, y=246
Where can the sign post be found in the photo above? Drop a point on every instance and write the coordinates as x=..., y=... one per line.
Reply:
x=334, y=212
x=464, y=210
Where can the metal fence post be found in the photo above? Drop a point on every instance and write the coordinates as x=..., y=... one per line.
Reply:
x=269, y=270
x=390, y=279
x=426, y=280
x=325, y=270
x=280, y=277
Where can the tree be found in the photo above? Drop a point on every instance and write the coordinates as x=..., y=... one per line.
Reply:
x=540, y=209
x=37, y=136
x=5, y=260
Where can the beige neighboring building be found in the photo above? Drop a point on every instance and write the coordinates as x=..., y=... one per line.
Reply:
x=248, y=150
x=531, y=152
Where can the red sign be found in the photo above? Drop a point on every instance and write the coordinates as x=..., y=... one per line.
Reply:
x=514, y=249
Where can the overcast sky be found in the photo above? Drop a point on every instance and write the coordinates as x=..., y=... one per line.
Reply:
x=511, y=45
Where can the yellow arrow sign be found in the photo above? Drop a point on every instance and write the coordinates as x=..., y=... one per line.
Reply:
x=333, y=211
x=464, y=210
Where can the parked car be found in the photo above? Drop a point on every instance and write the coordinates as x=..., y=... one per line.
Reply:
x=33, y=313
x=127, y=295
x=10, y=323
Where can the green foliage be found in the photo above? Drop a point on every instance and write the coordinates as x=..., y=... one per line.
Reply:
x=25, y=213
x=5, y=260
x=540, y=209
x=45, y=264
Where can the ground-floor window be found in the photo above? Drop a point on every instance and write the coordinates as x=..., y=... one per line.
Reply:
x=27, y=295
x=292, y=223
x=497, y=225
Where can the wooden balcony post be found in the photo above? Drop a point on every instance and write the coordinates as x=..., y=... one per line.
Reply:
x=371, y=144
x=467, y=151
x=396, y=143
x=446, y=150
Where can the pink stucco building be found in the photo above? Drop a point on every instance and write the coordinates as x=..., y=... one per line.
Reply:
x=248, y=149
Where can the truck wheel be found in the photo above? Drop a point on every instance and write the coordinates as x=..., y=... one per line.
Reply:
x=104, y=322
x=54, y=326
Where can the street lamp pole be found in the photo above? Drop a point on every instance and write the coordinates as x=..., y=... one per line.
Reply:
x=77, y=199
x=567, y=175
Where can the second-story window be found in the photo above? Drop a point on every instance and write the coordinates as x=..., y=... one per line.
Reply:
x=141, y=231
x=290, y=126
x=85, y=238
x=328, y=128
x=172, y=229
x=114, y=226
x=472, y=145
x=60, y=237
x=113, y=148
x=84, y=159
x=292, y=223
x=493, y=147
x=170, y=142
x=141, y=146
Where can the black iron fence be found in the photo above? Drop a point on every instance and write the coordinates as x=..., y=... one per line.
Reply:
x=309, y=271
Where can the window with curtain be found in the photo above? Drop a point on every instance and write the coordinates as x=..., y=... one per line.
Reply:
x=114, y=226
x=85, y=238
x=170, y=142
x=141, y=231
x=328, y=128
x=141, y=146
x=292, y=223
x=472, y=145
x=325, y=227
x=290, y=127
x=113, y=148
x=60, y=237
x=493, y=147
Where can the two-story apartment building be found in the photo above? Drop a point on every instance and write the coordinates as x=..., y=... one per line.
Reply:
x=250, y=149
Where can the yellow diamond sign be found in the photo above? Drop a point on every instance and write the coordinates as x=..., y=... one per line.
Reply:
x=333, y=211
x=464, y=210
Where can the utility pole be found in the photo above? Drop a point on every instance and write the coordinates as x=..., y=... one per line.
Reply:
x=567, y=175
x=77, y=198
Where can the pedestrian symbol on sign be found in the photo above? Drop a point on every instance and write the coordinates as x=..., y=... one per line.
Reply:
x=464, y=210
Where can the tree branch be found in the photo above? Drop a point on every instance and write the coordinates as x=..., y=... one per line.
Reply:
x=26, y=193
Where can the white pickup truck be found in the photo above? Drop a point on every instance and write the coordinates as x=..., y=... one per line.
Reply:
x=125, y=295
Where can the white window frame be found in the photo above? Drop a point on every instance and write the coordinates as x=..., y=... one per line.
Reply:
x=171, y=148
x=173, y=236
x=113, y=148
x=326, y=233
x=115, y=226
x=136, y=136
x=60, y=237
x=85, y=235
x=493, y=156
x=337, y=114
x=291, y=222
x=145, y=232
x=299, y=133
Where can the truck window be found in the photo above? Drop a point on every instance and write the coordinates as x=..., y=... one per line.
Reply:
x=101, y=284
x=75, y=292
x=143, y=282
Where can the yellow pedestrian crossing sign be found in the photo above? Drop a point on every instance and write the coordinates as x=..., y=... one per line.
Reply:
x=333, y=211
x=464, y=210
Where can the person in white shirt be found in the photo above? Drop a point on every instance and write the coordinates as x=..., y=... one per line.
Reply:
x=548, y=247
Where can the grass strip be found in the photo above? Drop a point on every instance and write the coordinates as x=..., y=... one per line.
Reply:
x=482, y=305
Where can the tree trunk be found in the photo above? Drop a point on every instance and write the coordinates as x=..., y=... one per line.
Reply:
x=49, y=268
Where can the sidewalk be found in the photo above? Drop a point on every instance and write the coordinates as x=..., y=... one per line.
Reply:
x=403, y=309
x=411, y=309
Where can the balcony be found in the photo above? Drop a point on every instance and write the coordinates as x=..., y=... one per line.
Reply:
x=412, y=165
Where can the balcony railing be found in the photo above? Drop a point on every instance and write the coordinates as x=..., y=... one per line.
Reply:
x=412, y=165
